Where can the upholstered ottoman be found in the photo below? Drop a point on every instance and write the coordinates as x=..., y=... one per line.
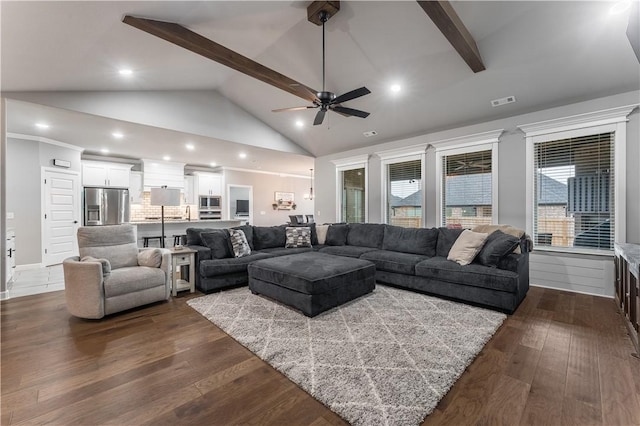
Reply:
x=312, y=282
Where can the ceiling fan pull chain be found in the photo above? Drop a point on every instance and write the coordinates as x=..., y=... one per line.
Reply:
x=323, y=17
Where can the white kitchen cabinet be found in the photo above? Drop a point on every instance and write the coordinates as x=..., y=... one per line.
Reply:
x=163, y=173
x=209, y=184
x=106, y=175
x=135, y=188
x=189, y=192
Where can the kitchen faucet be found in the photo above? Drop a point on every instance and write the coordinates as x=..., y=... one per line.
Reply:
x=189, y=213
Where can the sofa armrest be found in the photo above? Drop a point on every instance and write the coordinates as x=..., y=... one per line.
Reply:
x=203, y=253
x=83, y=288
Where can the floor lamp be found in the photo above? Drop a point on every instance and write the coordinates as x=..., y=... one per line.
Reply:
x=164, y=196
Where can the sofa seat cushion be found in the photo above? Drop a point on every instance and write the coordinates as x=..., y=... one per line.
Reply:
x=439, y=268
x=216, y=267
x=131, y=279
x=393, y=261
x=349, y=251
x=281, y=251
x=311, y=273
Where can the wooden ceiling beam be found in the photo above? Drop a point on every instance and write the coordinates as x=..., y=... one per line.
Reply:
x=449, y=23
x=183, y=37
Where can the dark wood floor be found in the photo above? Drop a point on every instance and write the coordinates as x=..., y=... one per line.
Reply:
x=561, y=359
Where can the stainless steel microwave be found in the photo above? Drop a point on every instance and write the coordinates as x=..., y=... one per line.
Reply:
x=210, y=202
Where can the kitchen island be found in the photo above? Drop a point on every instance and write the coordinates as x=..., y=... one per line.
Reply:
x=152, y=228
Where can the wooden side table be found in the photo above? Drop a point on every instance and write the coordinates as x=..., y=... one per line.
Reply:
x=181, y=258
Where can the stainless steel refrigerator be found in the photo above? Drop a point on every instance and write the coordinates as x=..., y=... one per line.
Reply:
x=106, y=206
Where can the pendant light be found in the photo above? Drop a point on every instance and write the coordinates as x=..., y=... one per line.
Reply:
x=310, y=196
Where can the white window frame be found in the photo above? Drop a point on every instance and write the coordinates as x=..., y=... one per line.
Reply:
x=351, y=163
x=416, y=152
x=603, y=121
x=465, y=144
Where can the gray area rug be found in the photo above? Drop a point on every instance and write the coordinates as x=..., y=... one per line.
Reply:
x=386, y=358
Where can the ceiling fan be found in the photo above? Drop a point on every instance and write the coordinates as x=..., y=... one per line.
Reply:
x=328, y=100
x=464, y=165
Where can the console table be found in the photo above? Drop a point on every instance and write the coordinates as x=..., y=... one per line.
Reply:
x=627, y=262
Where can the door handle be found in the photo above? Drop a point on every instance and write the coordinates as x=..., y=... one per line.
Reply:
x=75, y=221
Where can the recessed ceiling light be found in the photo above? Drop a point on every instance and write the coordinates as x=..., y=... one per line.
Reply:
x=125, y=71
x=190, y=146
x=620, y=7
x=299, y=123
x=117, y=135
x=166, y=158
x=242, y=155
x=395, y=88
x=212, y=164
x=42, y=125
x=104, y=150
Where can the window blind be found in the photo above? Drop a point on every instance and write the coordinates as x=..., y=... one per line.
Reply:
x=467, y=189
x=574, y=192
x=404, y=194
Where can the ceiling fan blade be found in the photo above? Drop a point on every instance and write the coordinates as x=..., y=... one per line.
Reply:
x=350, y=111
x=319, y=117
x=300, y=108
x=351, y=95
x=183, y=37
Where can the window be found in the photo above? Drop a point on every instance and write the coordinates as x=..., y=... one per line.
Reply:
x=351, y=184
x=574, y=200
x=353, y=196
x=576, y=181
x=466, y=188
x=404, y=193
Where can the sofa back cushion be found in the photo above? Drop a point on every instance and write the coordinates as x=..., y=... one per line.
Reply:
x=269, y=236
x=116, y=243
x=410, y=240
x=337, y=235
x=365, y=235
x=219, y=243
x=446, y=238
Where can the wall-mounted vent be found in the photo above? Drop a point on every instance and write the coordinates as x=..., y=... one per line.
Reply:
x=370, y=133
x=503, y=101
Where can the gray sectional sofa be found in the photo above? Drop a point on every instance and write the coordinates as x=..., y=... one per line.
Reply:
x=410, y=258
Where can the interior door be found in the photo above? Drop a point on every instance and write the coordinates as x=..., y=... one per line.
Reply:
x=61, y=216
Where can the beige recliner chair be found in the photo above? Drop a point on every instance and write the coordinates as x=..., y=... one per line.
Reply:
x=112, y=274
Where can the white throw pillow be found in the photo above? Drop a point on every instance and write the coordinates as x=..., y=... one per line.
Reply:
x=467, y=246
x=321, y=232
x=239, y=243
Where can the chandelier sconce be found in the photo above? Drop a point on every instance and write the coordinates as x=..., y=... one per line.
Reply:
x=309, y=196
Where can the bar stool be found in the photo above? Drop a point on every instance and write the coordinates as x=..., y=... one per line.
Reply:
x=178, y=239
x=145, y=241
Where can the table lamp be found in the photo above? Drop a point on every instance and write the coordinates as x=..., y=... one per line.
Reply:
x=164, y=196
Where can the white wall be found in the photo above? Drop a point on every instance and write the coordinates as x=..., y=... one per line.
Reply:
x=264, y=186
x=25, y=158
x=511, y=185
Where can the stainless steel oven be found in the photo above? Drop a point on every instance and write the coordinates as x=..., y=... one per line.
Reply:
x=210, y=202
x=210, y=214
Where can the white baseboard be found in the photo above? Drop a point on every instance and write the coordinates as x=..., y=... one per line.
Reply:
x=29, y=266
x=571, y=291
x=4, y=295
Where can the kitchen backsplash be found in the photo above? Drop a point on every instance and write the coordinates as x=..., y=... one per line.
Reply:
x=144, y=211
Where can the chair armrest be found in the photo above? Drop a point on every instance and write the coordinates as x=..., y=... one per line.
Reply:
x=84, y=288
x=165, y=265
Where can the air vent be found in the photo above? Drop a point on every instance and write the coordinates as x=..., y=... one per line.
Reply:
x=370, y=133
x=503, y=101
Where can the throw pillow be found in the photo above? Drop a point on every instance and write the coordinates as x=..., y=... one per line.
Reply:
x=218, y=242
x=497, y=246
x=467, y=246
x=298, y=237
x=507, y=229
x=321, y=231
x=239, y=243
x=337, y=235
x=150, y=257
x=106, y=265
x=248, y=234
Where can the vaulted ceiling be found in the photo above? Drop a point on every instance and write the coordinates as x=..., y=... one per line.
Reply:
x=543, y=53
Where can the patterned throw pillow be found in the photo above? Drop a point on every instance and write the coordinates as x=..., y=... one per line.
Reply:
x=239, y=243
x=298, y=237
